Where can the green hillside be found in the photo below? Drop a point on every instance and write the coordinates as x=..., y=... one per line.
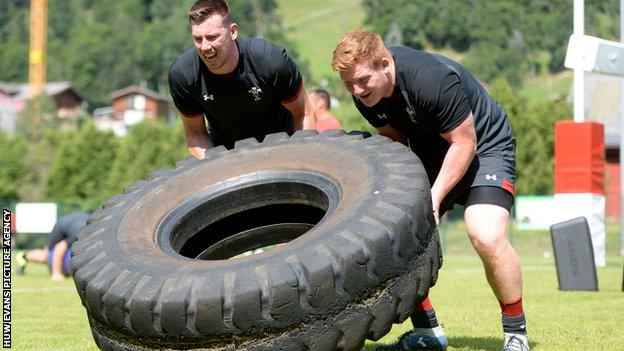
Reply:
x=548, y=86
x=315, y=28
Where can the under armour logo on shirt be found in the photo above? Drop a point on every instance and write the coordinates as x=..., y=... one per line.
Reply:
x=382, y=116
x=255, y=91
x=208, y=97
x=490, y=177
x=411, y=114
x=421, y=342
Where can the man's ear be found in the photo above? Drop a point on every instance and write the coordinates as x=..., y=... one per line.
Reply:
x=385, y=64
x=234, y=30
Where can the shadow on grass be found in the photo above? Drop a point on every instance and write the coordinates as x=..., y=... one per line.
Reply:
x=479, y=343
x=465, y=343
x=476, y=343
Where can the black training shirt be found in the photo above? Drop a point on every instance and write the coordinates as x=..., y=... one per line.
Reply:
x=67, y=228
x=433, y=95
x=247, y=103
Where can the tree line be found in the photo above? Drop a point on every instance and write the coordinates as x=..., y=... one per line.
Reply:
x=103, y=46
x=81, y=169
x=498, y=38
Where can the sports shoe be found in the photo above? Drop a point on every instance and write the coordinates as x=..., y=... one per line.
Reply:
x=20, y=261
x=516, y=342
x=419, y=339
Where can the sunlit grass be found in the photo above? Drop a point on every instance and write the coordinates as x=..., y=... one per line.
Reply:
x=547, y=87
x=555, y=320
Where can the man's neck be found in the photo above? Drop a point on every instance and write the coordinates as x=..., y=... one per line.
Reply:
x=230, y=65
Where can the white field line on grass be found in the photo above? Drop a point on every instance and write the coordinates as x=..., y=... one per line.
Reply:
x=43, y=290
x=525, y=268
x=444, y=271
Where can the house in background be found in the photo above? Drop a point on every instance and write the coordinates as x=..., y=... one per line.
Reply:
x=9, y=109
x=130, y=106
x=14, y=96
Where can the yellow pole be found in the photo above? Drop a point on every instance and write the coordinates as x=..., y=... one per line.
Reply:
x=37, y=55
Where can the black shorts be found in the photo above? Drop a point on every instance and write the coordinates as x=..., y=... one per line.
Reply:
x=488, y=180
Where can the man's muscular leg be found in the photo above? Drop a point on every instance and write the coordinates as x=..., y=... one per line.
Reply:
x=487, y=229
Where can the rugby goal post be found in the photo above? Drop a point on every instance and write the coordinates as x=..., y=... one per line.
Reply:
x=591, y=54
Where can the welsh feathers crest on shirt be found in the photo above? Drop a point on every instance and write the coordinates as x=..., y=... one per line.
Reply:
x=255, y=91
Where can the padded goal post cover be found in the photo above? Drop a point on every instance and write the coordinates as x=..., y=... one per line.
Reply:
x=574, y=255
x=579, y=157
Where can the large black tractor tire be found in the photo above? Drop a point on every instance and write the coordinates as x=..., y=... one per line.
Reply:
x=152, y=266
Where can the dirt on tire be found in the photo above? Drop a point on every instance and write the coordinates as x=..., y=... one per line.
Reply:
x=152, y=267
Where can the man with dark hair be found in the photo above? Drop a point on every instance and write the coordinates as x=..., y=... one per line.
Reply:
x=243, y=87
x=57, y=252
x=319, y=110
x=464, y=141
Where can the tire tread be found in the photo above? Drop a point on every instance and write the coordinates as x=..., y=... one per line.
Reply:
x=381, y=249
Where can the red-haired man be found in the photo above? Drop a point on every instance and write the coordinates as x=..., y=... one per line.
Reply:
x=464, y=140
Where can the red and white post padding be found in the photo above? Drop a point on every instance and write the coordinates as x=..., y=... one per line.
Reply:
x=579, y=178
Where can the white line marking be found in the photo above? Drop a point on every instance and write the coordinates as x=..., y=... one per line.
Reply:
x=480, y=269
x=43, y=290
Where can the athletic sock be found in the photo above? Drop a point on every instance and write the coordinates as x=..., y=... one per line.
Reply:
x=424, y=315
x=513, y=317
x=21, y=261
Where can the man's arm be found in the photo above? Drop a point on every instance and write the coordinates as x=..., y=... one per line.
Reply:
x=462, y=149
x=57, y=261
x=390, y=132
x=57, y=234
x=197, y=138
x=297, y=109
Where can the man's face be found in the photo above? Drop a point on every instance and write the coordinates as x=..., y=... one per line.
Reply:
x=367, y=83
x=214, y=41
x=314, y=102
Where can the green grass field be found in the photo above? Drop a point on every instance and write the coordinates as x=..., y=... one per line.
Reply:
x=555, y=320
x=48, y=315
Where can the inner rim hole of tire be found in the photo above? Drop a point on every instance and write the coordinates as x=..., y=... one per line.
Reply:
x=248, y=218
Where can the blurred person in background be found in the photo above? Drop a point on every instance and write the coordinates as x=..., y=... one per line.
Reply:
x=319, y=102
x=57, y=252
